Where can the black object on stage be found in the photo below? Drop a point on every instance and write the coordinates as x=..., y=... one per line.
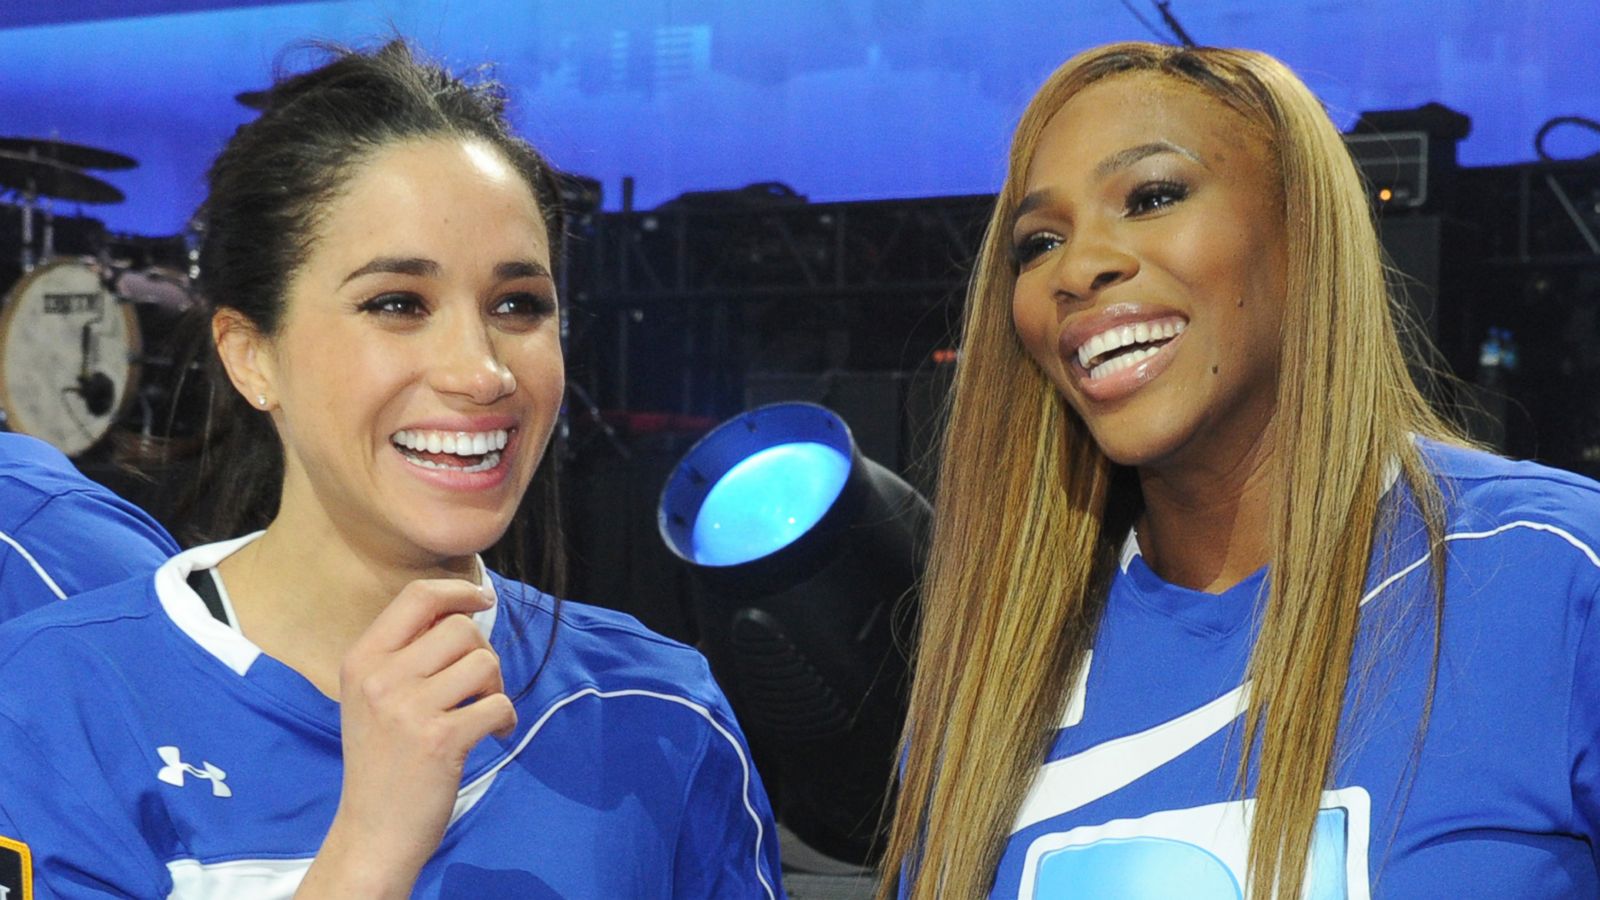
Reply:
x=804, y=555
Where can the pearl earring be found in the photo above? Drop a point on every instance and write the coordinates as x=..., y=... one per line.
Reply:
x=262, y=400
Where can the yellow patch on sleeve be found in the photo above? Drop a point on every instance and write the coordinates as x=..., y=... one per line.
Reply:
x=16, y=870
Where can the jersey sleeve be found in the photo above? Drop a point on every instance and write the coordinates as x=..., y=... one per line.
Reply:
x=78, y=541
x=63, y=823
x=103, y=539
x=728, y=844
x=22, y=586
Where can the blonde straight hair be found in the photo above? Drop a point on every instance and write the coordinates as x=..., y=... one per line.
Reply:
x=1030, y=513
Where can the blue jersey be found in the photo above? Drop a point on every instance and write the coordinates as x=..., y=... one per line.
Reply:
x=153, y=751
x=1137, y=796
x=62, y=534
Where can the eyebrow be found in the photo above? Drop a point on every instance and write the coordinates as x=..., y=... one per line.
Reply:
x=1114, y=163
x=395, y=265
x=522, y=268
x=1125, y=158
x=427, y=268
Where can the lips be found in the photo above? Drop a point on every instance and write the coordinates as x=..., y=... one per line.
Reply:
x=1120, y=346
x=1116, y=350
x=465, y=452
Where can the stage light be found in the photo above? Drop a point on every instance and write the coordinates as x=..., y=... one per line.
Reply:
x=804, y=554
x=766, y=501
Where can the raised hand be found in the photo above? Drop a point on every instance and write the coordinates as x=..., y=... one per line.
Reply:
x=418, y=690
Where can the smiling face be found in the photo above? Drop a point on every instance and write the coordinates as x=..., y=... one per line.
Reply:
x=1151, y=257
x=417, y=370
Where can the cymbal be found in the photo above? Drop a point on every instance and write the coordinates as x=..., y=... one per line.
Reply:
x=75, y=155
x=253, y=99
x=48, y=179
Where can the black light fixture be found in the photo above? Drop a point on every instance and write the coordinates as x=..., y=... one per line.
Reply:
x=804, y=555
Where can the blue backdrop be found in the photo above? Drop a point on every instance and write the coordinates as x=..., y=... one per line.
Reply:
x=842, y=99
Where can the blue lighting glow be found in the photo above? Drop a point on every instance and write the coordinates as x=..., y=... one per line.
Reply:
x=767, y=501
x=840, y=100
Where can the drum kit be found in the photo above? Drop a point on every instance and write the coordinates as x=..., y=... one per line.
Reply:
x=80, y=330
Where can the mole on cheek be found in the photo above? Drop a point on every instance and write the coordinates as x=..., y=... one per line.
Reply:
x=1213, y=370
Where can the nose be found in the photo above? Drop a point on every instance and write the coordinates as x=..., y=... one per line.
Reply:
x=467, y=364
x=1092, y=262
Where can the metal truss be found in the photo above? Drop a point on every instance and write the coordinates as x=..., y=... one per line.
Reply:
x=876, y=249
x=1536, y=215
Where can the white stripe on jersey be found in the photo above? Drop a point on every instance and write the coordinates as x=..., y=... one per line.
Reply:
x=37, y=569
x=1065, y=784
x=256, y=879
x=236, y=879
x=472, y=793
x=273, y=879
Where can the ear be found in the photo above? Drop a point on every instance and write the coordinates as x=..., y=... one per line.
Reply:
x=246, y=355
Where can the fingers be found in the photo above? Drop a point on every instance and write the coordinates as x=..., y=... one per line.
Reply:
x=448, y=640
x=491, y=714
x=416, y=608
x=441, y=662
x=476, y=674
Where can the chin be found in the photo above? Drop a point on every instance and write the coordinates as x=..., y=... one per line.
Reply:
x=1138, y=445
x=459, y=538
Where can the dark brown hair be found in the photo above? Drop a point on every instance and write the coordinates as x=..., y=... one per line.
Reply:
x=266, y=194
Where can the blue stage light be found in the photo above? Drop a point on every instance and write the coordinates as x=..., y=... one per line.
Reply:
x=803, y=556
x=767, y=501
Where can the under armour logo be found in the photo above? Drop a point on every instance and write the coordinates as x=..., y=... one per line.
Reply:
x=172, y=773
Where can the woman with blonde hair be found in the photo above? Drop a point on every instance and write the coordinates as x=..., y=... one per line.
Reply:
x=1217, y=605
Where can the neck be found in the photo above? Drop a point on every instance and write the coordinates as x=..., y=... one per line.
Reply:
x=1205, y=526
x=305, y=590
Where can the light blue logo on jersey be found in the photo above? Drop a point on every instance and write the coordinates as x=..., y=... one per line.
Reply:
x=1198, y=854
x=1157, y=868
x=1136, y=869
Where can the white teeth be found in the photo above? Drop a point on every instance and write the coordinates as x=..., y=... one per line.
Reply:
x=1119, y=363
x=488, y=462
x=1090, y=349
x=459, y=443
x=1119, y=336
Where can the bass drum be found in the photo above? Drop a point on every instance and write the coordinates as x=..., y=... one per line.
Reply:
x=72, y=348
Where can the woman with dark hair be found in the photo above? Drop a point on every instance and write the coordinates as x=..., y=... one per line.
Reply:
x=1217, y=606
x=347, y=702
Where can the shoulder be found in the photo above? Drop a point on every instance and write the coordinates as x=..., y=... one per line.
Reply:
x=18, y=452
x=1488, y=495
x=32, y=473
x=63, y=533
x=63, y=634
x=30, y=468
x=606, y=647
